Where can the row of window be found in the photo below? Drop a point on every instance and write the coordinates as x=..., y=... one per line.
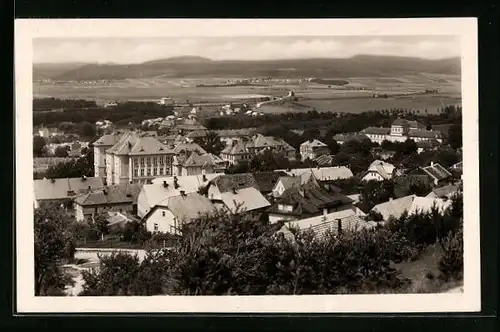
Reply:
x=151, y=172
x=162, y=160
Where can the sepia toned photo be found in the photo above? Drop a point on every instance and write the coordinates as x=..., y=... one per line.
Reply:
x=247, y=165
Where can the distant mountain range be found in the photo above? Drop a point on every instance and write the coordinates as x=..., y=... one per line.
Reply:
x=193, y=66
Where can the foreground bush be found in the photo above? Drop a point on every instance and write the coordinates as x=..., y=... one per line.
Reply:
x=235, y=255
x=451, y=264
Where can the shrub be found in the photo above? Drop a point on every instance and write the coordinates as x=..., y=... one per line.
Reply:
x=452, y=263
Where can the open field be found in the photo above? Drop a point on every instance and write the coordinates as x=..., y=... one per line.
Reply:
x=357, y=96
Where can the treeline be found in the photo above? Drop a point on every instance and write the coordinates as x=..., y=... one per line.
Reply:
x=336, y=122
x=120, y=115
x=47, y=104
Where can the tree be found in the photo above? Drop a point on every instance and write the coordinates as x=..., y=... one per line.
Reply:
x=455, y=136
x=210, y=143
x=83, y=166
x=86, y=129
x=62, y=151
x=311, y=134
x=451, y=264
x=54, y=243
x=39, y=145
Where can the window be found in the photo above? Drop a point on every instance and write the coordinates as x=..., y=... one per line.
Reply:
x=155, y=227
x=161, y=171
x=141, y=160
x=149, y=171
x=136, y=172
x=142, y=171
x=162, y=161
x=148, y=161
x=155, y=171
x=154, y=160
x=163, y=213
x=135, y=161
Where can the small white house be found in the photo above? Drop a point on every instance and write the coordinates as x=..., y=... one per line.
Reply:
x=378, y=171
x=168, y=215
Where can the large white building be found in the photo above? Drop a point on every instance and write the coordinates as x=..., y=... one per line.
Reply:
x=401, y=130
x=312, y=149
x=133, y=158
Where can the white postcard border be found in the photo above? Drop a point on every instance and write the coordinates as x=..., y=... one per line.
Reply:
x=27, y=29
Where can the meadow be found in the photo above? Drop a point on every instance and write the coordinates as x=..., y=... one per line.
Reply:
x=356, y=96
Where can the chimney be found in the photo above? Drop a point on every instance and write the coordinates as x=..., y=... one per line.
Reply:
x=176, y=182
x=234, y=190
x=204, y=178
x=165, y=184
x=432, y=163
x=324, y=214
x=84, y=178
x=53, y=180
x=89, y=188
x=339, y=226
x=183, y=193
x=104, y=192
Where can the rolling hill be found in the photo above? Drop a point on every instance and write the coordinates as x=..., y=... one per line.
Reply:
x=192, y=66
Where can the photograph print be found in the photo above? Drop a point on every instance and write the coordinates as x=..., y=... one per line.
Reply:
x=222, y=164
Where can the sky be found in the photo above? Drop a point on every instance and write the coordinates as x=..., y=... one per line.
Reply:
x=137, y=50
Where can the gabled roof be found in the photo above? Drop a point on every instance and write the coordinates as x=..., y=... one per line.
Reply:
x=116, y=194
x=409, y=123
x=320, y=225
x=445, y=191
x=189, y=206
x=381, y=167
x=324, y=160
x=261, y=141
x=437, y=172
x=108, y=140
x=395, y=207
x=48, y=189
x=248, y=199
x=267, y=180
x=314, y=143
x=149, y=145
x=290, y=181
x=187, y=148
x=197, y=133
x=124, y=144
x=235, y=149
x=324, y=173
x=228, y=182
x=425, y=205
x=425, y=133
x=377, y=131
x=197, y=160
x=308, y=200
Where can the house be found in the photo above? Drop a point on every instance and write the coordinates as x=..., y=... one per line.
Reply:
x=167, y=101
x=131, y=157
x=230, y=190
x=305, y=201
x=266, y=181
x=394, y=207
x=196, y=134
x=436, y=172
x=168, y=215
x=412, y=204
x=228, y=136
x=401, y=130
x=197, y=164
x=445, y=192
x=235, y=152
x=188, y=125
x=243, y=200
x=287, y=182
x=378, y=171
x=346, y=220
x=405, y=183
x=118, y=220
x=63, y=190
x=118, y=198
x=260, y=143
x=312, y=149
x=163, y=187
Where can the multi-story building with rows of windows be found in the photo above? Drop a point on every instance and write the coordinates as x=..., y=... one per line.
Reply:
x=134, y=158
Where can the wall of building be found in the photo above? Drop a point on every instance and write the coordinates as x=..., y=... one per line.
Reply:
x=274, y=218
x=370, y=176
x=161, y=220
x=83, y=212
